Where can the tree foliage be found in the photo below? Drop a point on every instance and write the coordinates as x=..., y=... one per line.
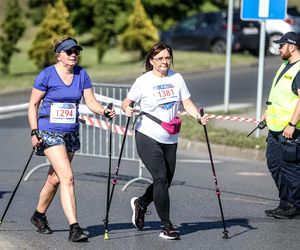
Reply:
x=13, y=28
x=166, y=13
x=54, y=26
x=141, y=34
x=104, y=31
x=81, y=12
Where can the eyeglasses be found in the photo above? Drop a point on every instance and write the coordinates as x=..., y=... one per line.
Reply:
x=281, y=45
x=71, y=51
x=160, y=59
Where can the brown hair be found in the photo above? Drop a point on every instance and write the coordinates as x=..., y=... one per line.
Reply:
x=156, y=49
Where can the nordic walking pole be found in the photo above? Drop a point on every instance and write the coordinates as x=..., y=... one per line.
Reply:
x=16, y=188
x=109, y=176
x=114, y=181
x=218, y=193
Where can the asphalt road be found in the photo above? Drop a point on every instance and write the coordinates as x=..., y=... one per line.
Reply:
x=206, y=87
x=246, y=191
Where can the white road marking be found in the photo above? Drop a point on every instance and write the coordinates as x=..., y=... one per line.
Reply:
x=252, y=173
x=197, y=161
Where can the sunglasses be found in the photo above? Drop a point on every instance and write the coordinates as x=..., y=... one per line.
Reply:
x=72, y=51
x=281, y=45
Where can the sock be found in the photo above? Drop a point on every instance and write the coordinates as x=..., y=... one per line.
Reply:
x=73, y=225
x=38, y=214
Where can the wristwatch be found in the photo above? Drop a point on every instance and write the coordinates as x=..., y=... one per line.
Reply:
x=34, y=132
x=292, y=125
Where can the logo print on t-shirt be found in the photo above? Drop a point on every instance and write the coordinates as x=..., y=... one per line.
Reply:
x=165, y=95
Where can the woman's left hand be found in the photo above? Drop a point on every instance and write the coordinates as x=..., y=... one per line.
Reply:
x=203, y=120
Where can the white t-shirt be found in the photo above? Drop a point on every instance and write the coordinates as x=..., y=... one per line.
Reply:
x=160, y=97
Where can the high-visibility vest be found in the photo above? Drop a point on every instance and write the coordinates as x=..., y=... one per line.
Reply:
x=282, y=100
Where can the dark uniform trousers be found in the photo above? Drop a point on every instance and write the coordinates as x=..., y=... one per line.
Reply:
x=286, y=174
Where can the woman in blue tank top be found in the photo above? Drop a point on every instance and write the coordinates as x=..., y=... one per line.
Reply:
x=53, y=118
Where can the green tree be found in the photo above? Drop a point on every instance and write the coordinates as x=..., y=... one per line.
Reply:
x=141, y=34
x=166, y=13
x=163, y=13
x=80, y=11
x=13, y=28
x=104, y=31
x=55, y=25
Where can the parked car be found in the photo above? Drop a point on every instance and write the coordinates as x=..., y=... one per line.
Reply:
x=208, y=32
x=276, y=28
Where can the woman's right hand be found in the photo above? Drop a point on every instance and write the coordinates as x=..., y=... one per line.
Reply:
x=36, y=140
x=128, y=111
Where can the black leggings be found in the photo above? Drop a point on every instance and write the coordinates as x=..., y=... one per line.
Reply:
x=160, y=160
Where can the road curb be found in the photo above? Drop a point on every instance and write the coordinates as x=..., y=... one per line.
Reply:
x=223, y=150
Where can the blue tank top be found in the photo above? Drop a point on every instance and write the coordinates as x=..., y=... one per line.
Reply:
x=58, y=92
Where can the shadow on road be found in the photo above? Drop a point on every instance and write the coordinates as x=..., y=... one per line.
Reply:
x=3, y=192
x=191, y=227
x=184, y=228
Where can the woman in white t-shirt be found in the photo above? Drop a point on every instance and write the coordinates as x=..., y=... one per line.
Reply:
x=158, y=92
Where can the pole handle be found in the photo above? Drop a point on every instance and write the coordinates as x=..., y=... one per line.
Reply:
x=110, y=105
x=201, y=111
x=106, y=113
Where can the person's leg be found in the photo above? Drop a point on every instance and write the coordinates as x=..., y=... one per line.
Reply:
x=291, y=171
x=274, y=163
x=48, y=191
x=170, y=161
x=60, y=161
x=47, y=194
x=152, y=155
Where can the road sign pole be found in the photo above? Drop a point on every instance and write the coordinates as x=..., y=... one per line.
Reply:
x=228, y=55
x=262, y=43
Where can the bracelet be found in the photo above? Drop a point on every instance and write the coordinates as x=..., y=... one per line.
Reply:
x=292, y=125
x=35, y=132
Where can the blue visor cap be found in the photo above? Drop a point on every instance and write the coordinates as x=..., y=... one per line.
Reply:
x=67, y=44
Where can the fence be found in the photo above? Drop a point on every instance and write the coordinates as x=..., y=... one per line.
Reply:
x=94, y=134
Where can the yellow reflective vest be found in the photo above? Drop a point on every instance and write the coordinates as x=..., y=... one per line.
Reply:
x=282, y=101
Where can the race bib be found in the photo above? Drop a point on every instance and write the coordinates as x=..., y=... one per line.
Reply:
x=165, y=93
x=63, y=113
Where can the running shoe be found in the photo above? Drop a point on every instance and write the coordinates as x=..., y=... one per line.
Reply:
x=41, y=224
x=169, y=233
x=77, y=235
x=138, y=213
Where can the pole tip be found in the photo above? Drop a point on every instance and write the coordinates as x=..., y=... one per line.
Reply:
x=106, y=235
x=225, y=235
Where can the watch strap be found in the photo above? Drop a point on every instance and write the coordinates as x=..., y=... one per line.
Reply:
x=34, y=132
x=292, y=125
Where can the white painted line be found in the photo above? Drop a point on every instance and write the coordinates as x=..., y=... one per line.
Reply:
x=13, y=115
x=249, y=200
x=252, y=174
x=197, y=161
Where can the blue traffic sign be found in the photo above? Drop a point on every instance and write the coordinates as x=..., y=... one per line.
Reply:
x=263, y=9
